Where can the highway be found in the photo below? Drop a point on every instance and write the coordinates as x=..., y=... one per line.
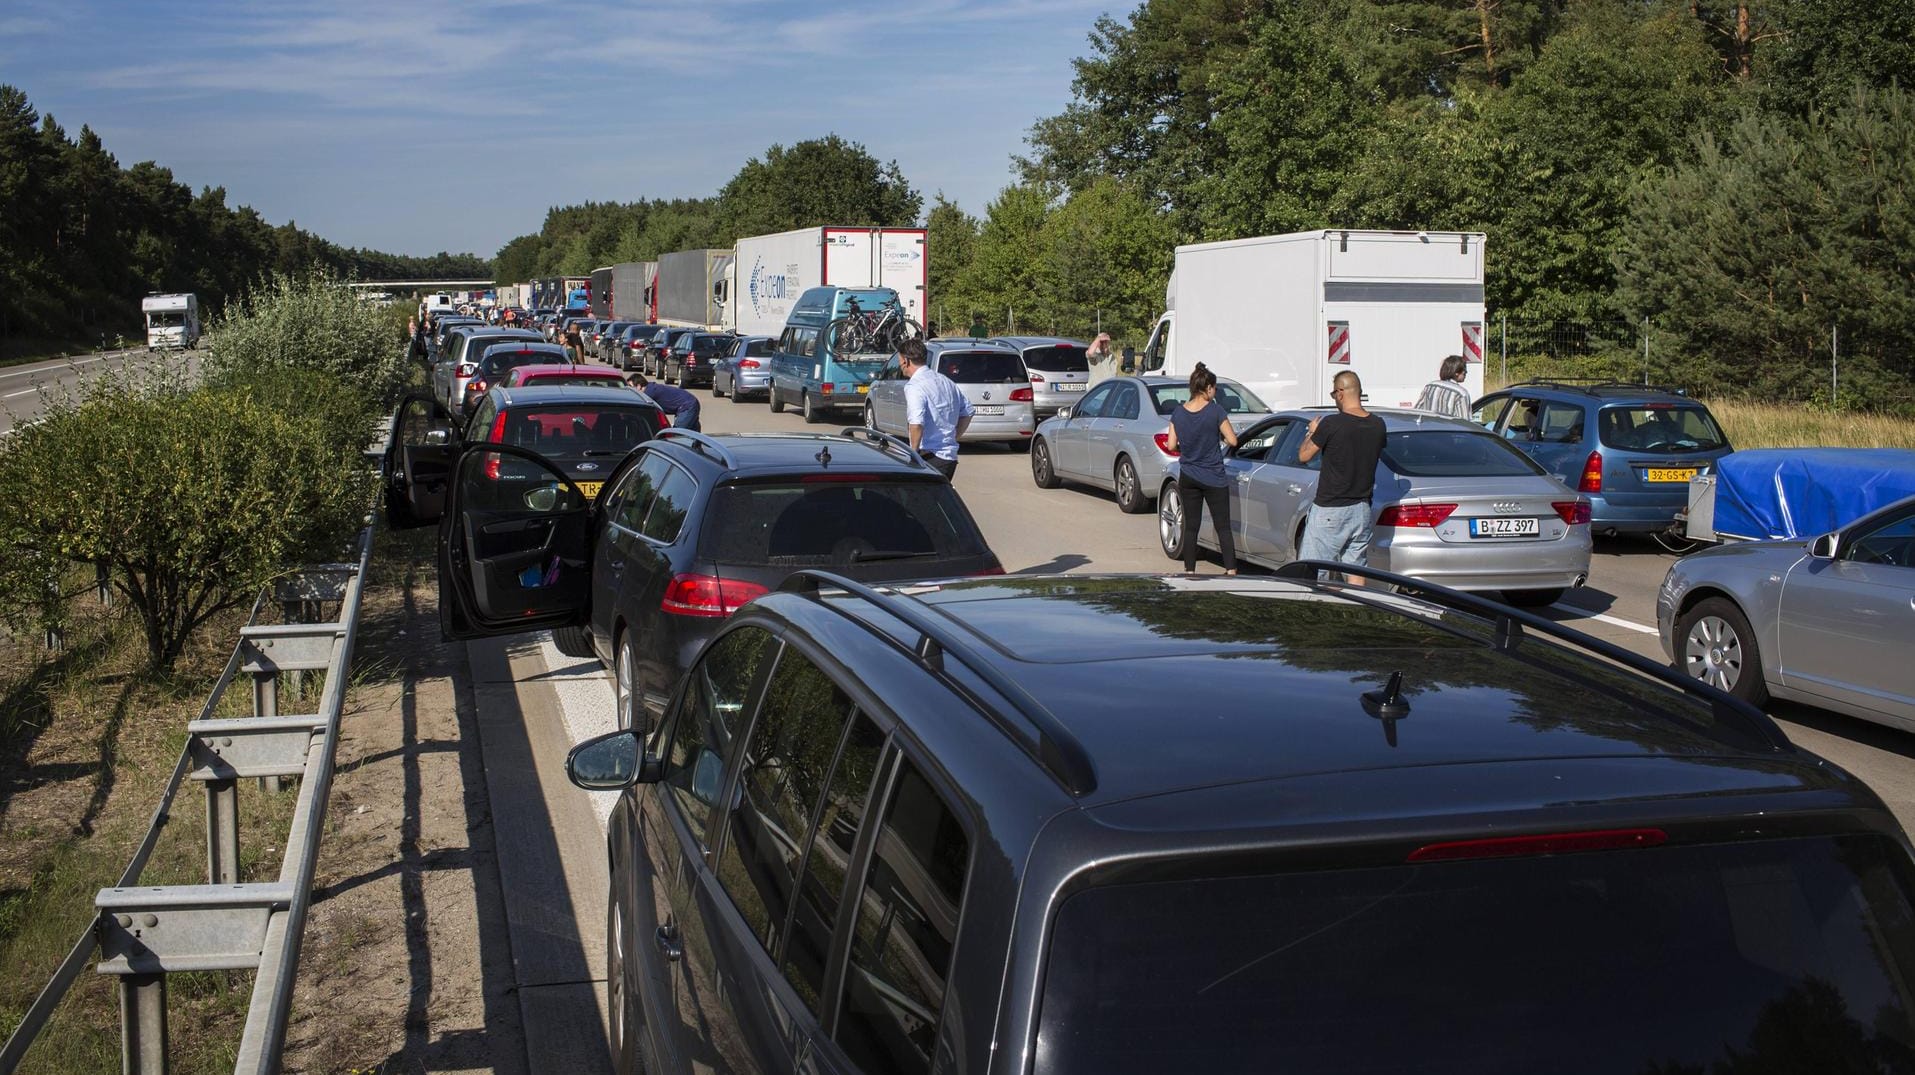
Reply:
x=27, y=390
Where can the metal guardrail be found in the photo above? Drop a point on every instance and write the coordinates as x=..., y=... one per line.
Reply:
x=142, y=932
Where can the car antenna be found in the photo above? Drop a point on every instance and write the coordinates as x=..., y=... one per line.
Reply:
x=824, y=456
x=1388, y=706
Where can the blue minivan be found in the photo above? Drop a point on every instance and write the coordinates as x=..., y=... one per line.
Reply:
x=803, y=372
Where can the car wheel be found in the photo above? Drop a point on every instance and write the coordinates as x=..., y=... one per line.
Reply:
x=810, y=409
x=715, y=393
x=1170, y=522
x=1130, y=493
x=1533, y=598
x=1715, y=644
x=1042, y=472
x=870, y=417
x=620, y=1003
x=573, y=642
x=624, y=684
x=682, y=379
x=774, y=400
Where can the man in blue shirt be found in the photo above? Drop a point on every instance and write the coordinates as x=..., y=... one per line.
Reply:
x=680, y=404
x=934, y=408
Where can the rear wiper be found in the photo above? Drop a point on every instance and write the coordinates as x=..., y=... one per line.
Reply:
x=861, y=555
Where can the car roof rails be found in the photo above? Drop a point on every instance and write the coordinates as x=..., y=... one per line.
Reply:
x=1510, y=624
x=1046, y=739
x=1588, y=384
x=700, y=443
x=890, y=443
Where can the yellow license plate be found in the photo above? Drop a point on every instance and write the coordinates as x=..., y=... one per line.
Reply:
x=1666, y=474
x=590, y=489
x=863, y=388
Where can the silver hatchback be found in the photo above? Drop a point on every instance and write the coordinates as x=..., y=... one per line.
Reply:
x=1059, y=370
x=990, y=375
x=1455, y=504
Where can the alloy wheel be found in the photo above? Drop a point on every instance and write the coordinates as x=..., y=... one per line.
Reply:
x=1713, y=653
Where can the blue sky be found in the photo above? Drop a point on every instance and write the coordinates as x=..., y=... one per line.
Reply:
x=418, y=127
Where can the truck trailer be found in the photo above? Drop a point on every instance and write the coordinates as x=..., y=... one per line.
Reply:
x=632, y=290
x=691, y=289
x=171, y=320
x=771, y=271
x=1283, y=314
x=601, y=297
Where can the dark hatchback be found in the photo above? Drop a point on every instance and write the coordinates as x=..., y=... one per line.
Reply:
x=689, y=528
x=694, y=356
x=1135, y=824
x=584, y=430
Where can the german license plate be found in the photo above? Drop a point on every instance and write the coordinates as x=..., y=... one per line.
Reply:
x=1669, y=474
x=1495, y=528
x=988, y=409
x=590, y=489
x=1071, y=386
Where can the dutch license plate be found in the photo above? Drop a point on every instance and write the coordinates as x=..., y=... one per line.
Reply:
x=1669, y=474
x=988, y=409
x=1495, y=528
x=863, y=388
x=590, y=489
x=1071, y=386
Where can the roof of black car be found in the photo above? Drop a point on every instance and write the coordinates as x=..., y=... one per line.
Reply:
x=530, y=394
x=781, y=453
x=1171, y=683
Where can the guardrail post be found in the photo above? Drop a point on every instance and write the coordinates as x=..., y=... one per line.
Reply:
x=222, y=832
x=266, y=704
x=143, y=1024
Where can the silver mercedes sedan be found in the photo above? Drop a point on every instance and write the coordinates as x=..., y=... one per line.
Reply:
x=1114, y=437
x=1828, y=622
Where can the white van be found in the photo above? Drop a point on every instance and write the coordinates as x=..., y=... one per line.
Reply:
x=171, y=321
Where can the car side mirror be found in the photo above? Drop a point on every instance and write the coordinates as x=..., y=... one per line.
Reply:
x=1063, y=412
x=438, y=438
x=612, y=762
x=1130, y=359
x=1825, y=547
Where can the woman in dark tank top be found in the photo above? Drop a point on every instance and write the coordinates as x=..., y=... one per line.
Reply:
x=1198, y=431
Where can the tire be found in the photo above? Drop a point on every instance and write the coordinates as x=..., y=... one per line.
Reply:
x=620, y=1005
x=841, y=338
x=810, y=409
x=1130, y=493
x=680, y=377
x=1043, y=471
x=775, y=401
x=1170, y=522
x=1715, y=644
x=1533, y=598
x=715, y=393
x=624, y=677
x=573, y=642
x=870, y=416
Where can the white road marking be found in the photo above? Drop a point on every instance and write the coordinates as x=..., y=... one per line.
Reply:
x=1610, y=620
x=23, y=392
x=63, y=365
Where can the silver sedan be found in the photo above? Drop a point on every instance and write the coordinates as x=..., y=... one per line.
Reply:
x=1114, y=437
x=1827, y=622
x=1455, y=504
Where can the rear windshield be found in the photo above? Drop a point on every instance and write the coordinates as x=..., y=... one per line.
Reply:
x=814, y=524
x=759, y=348
x=497, y=362
x=558, y=429
x=1770, y=955
x=1063, y=358
x=711, y=345
x=1454, y=453
x=1234, y=397
x=1660, y=427
x=983, y=367
x=587, y=380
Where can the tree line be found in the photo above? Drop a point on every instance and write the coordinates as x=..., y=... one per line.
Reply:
x=82, y=238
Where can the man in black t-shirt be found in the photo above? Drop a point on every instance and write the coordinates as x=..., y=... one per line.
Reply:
x=1351, y=441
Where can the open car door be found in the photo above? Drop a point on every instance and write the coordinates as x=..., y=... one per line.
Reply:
x=515, y=550
x=419, y=457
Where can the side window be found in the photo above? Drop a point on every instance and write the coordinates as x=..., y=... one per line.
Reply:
x=1258, y=444
x=1892, y=543
x=705, y=722
x=667, y=515
x=807, y=343
x=1560, y=423
x=1123, y=403
x=1525, y=419
x=1289, y=452
x=787, y=759
x=907, y=924
x=1490, y=410
x=821, y=887
x=642, y=491
x=1093, y=404
x=891, y=371
x=480, y=426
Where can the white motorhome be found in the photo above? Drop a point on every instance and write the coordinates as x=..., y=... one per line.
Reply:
x=769, y=272
x=1283, y=314
x=171, y=320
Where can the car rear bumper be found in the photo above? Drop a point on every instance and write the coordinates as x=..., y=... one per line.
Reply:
x=1535, y=566
x=1012, y=426
x=1635, y=513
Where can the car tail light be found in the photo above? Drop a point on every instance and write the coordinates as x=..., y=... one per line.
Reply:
x=747, y=363
x=1037, y=378
x=1574, y=512
x=1022, y=395
x=1592, y=474
x=475, y=385
x=1402, y=515
x=997, y=570
x=1163, y=444
x=1555, y=843
x=825, y=389
x=467, y=369
x=707, y=595
x=691, y=360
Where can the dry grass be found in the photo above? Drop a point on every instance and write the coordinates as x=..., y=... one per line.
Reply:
x=1770, y=425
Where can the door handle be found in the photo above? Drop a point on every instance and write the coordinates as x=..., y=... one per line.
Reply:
x=666, y=937
x=1295, y=488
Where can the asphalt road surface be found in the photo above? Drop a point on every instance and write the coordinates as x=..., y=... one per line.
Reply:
x=27, y=390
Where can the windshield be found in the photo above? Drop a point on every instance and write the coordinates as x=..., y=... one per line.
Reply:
x=1660, y=427
x=559, y=429
x=1454, y=453
x=983, y=367
x=817, y=524
x=1062, y=358
x=1774, y=954
x=587, y=380
x=1234, y=397
x=166, y=319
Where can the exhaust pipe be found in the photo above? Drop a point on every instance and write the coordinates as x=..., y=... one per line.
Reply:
x=1580, y=579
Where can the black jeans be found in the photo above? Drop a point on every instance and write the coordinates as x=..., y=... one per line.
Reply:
x=1195, y=495
x=946, y=467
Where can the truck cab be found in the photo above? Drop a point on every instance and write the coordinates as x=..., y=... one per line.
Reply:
x=172, y=321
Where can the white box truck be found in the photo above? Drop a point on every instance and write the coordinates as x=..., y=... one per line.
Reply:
x=769, y=272
x=171, y=320
x=1283, y=314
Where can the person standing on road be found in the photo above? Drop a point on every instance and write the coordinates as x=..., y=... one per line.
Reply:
x=575, y=341
x=1198, y=431
x=680, y=404
x=1446, y=394
x=936, y=411
x=1351, y=441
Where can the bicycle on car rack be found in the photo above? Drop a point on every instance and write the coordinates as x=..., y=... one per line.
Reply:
x=869, y=332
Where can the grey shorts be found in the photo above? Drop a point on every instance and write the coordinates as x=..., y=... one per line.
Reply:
x=1341, y=534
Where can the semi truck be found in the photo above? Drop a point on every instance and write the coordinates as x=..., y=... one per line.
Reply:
x=632, y=290
x=601, y=295
x=691, y=289
x=769, y=272
x=1283, y=314
x=171, y=320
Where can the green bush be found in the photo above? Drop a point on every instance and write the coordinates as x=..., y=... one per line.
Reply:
x=193, y=498
x=308, y=322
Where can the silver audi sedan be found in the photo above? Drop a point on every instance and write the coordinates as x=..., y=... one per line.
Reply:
x=1455, y=504
x=1828, y=622
x=1114, y=438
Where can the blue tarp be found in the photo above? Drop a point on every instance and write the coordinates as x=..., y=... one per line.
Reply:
x=1802, y=492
